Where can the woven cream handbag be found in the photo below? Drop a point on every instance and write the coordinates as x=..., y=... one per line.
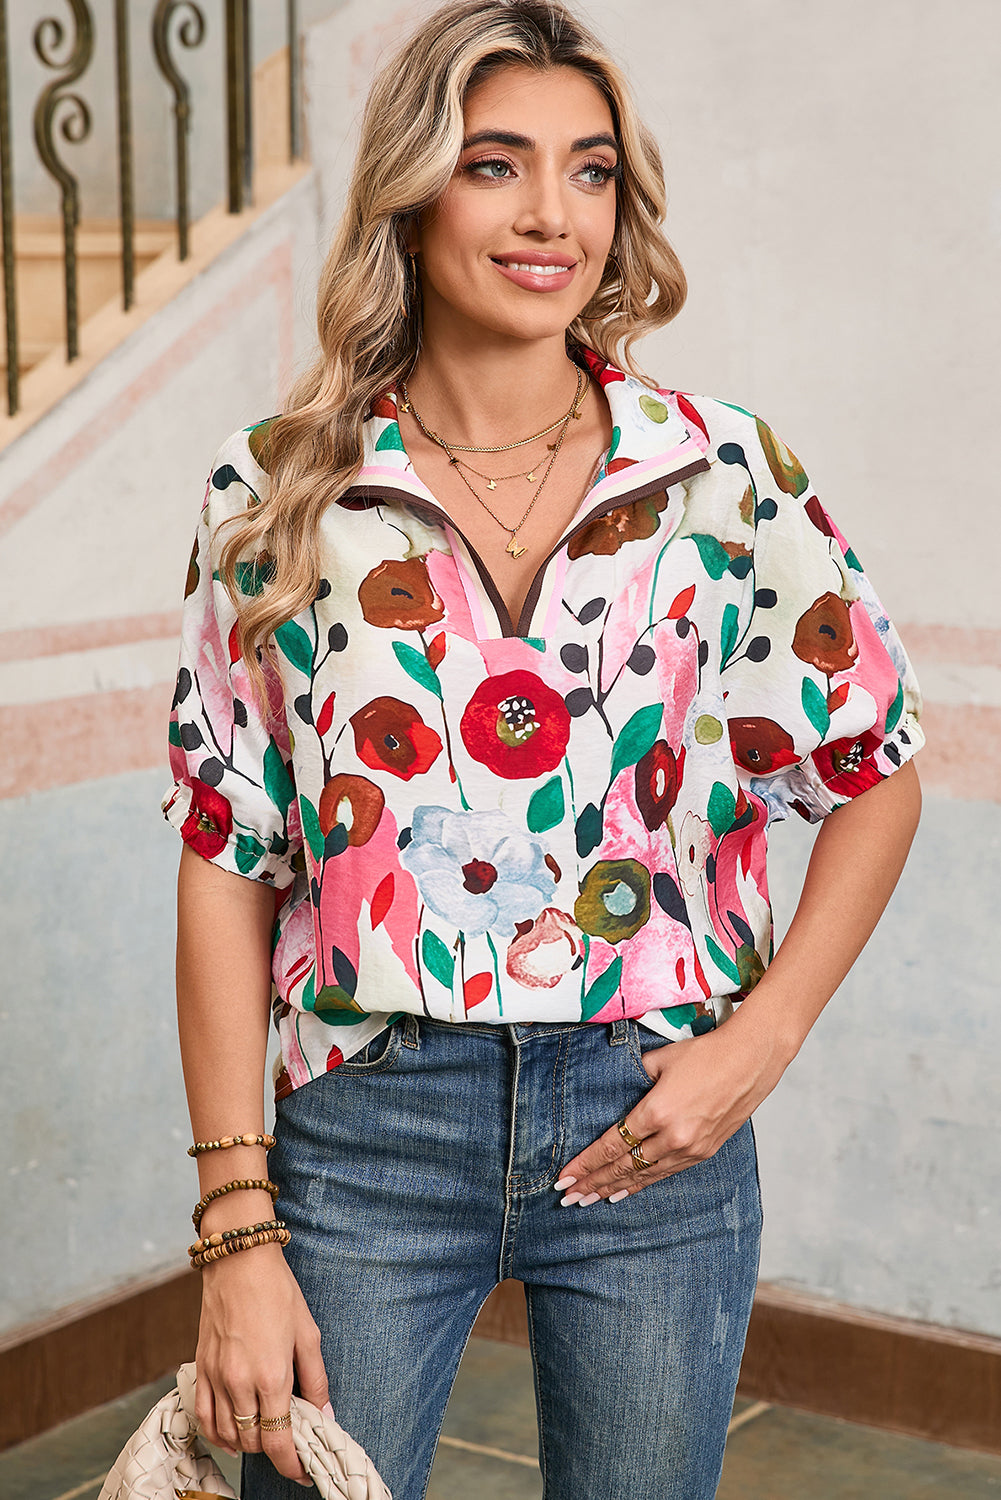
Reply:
x=165, y=1459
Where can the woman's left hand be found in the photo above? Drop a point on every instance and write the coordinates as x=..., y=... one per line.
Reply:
x=703, y=1091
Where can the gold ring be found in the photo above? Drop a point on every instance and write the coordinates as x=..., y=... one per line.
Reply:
x=246, y=1423
x=632, y=1141
x=639, y=1162
x=276, y=1424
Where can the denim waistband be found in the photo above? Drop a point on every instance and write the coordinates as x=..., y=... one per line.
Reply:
x=517, y=1032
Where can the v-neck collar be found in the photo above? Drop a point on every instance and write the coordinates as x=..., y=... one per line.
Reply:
x=655, y=443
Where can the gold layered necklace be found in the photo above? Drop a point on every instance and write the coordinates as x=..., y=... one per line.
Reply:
x=514, y=547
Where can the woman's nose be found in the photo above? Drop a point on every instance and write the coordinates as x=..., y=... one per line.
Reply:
x=544, y=210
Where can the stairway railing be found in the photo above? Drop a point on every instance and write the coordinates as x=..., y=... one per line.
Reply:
x=67, y=46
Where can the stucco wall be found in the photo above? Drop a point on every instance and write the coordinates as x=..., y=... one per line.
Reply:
x=835, y=189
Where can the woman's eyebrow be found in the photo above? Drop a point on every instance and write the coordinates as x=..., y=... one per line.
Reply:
x=525, y=142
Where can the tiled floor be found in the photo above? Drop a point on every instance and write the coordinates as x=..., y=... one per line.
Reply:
x=488, y=1449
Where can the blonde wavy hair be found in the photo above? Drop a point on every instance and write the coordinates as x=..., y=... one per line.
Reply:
x=369, y=302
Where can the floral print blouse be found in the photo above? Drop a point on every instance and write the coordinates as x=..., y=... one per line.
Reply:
x=560, y=817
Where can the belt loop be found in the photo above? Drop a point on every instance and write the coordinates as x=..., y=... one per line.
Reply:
x=618, y=1032
x=411, y=1032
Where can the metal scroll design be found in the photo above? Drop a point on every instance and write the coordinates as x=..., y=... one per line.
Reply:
x=294, y=82
x=7, y=217
x=126, y=192
x=190, y=33
x=74, y=127
x=239, y=106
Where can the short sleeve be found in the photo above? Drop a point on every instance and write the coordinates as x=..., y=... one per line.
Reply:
x=233, y=797
x=822, y=701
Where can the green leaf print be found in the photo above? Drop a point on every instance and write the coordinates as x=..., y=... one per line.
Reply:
x=253, y=575
x=174, y=733
x=415, y=664
x=311, y=828
x=729, y=630
x=616, y=440
x=654, y=409
x=546, y=806
x=602, y=990
x=636, y=738
x=247, y=853
x=588, y=830
x=277, y=781
x=896, y=709
x=679, y=1015
x=815, y=706
x=391, y=438
x=437, y=959
x=295, y=644
x=337, y=1008
x=724, y=964
x=715, y=558
x=722, y=807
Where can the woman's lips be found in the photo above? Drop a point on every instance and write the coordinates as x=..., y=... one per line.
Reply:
x=542, y=273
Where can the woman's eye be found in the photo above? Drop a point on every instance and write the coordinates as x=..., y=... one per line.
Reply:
x=596, y=173
x=496, y=171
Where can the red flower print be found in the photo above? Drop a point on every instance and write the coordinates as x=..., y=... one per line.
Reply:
x=658, y=777
x=848, y=766
x=398, y=595
x=824, y=636
x=392, y=736
x=209, y=822
x=515, y=725
x=761, y=746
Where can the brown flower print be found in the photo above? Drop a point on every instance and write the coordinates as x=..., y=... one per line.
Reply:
x=398, y=595
x=824, y=636
x=626, y=523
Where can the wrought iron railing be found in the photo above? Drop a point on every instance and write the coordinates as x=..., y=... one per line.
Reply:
x=66, y=45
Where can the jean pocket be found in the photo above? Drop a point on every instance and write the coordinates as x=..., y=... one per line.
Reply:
x=642, y=1041
x=378, y=1055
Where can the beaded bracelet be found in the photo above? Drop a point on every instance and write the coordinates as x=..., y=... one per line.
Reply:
x=223, y=1235
x=225, y=1141
x=239, y=1184
x=233, y=1247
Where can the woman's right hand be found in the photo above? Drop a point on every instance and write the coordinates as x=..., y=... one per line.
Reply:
x=255, y=1331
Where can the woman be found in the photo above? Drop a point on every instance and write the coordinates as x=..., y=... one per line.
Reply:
x=497, y=662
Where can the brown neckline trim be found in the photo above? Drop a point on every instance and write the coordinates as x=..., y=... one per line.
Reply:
x=508, y=629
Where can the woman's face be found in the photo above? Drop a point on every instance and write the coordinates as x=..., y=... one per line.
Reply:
x=517, y=243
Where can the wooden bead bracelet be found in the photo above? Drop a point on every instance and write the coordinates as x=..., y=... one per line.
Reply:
x=276, y=1236
x=239, y=1184
x=225, y=1141
x=224, y=1235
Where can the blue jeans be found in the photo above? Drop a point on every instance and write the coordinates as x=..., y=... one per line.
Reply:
x=419, y=1174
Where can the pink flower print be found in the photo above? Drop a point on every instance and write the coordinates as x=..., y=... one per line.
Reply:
x=544, y=950
x=695, y=844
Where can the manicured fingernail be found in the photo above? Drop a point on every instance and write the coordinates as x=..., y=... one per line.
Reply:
x=591, y=1198
x=618, y=1197
x=570, y=1198
x=564, y=1182
x=327, y=1409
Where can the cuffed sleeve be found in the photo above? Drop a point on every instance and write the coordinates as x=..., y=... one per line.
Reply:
x=822, y=701
x=233, y=798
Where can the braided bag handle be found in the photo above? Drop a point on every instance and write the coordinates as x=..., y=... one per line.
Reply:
x=166, y=1456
